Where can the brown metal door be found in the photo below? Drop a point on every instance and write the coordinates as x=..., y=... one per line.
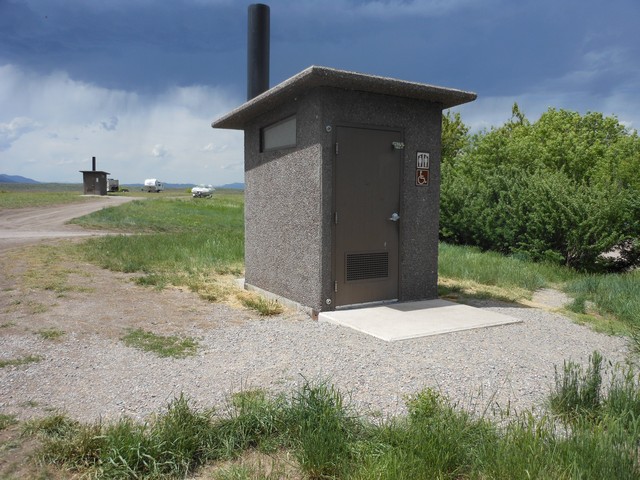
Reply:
x=367, y=199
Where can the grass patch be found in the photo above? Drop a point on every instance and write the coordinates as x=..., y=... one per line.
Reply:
x=169, y=256
x=470, y=265
x=16, y=362
x=453, y=288
x=30, y=306
x=258, y=303
x=578, y=392
x=609, y=302
x=171, y=446
x=321, y=436
x=182, y=242
x=171, y=215
x=53, y=426
x=48, y=268
x=613, y=294
x=50, y=334
x=20, y=195
x=254, y=465
x=40, y=195
x=7, y=420
x=163, y=346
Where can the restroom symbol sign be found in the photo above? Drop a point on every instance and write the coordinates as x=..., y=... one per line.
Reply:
x=422, y=160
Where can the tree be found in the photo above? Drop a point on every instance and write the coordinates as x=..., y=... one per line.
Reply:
x=455, y=137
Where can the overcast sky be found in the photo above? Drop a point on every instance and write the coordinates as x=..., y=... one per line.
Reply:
x=136, y=83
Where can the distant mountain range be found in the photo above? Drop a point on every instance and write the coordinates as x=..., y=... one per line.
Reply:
x=15, y=179
x=18, y=179
x=236, y=186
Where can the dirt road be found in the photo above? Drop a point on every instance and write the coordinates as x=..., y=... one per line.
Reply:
x=23, y=226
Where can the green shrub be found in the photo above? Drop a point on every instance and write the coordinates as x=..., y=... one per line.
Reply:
x=541, y=214
x=552, y=190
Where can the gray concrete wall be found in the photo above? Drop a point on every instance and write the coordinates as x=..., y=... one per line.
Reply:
x=284, y=210
x=421, y=207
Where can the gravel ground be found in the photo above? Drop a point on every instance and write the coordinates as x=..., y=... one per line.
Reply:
x=91, y=376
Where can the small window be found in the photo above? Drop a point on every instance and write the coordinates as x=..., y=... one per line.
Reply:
x=279, y=135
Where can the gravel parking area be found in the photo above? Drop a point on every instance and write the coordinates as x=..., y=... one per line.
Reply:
x=89, y=373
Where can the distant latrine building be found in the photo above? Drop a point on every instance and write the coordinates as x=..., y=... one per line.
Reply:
x=94, y=181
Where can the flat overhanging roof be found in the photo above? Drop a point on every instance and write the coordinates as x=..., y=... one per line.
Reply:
x=329, y=77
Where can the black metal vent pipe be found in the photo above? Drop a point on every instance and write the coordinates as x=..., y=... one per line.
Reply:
x=257, y=50
x=93, y=163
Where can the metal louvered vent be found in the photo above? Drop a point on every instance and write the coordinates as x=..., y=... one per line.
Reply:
x=364, y=266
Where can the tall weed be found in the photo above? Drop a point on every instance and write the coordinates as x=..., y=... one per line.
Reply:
x=327, y=439
x=252, y=420
x=491, y=268
x=615, y=294
x=578, y=393
x=623, y=399
x=182, y=438
x=321, y=428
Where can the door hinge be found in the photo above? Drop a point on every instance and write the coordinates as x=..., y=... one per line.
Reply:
x=335, y=286
x=335, y=217
x=336, y=148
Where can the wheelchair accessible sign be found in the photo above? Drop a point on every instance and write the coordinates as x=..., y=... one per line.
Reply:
x=422, y=169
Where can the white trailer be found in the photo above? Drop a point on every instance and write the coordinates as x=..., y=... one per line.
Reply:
x=153, y=185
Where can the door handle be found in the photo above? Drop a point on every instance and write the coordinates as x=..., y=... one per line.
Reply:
x=394, y=217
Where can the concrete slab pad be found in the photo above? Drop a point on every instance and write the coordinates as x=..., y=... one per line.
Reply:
x=400, y=321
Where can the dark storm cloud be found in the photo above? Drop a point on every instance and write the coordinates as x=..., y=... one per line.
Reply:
x=133, y=45
x=497, y=47
x=141, y=80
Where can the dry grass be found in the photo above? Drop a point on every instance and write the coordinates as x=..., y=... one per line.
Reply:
x=453, y=288
x=254, y=465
